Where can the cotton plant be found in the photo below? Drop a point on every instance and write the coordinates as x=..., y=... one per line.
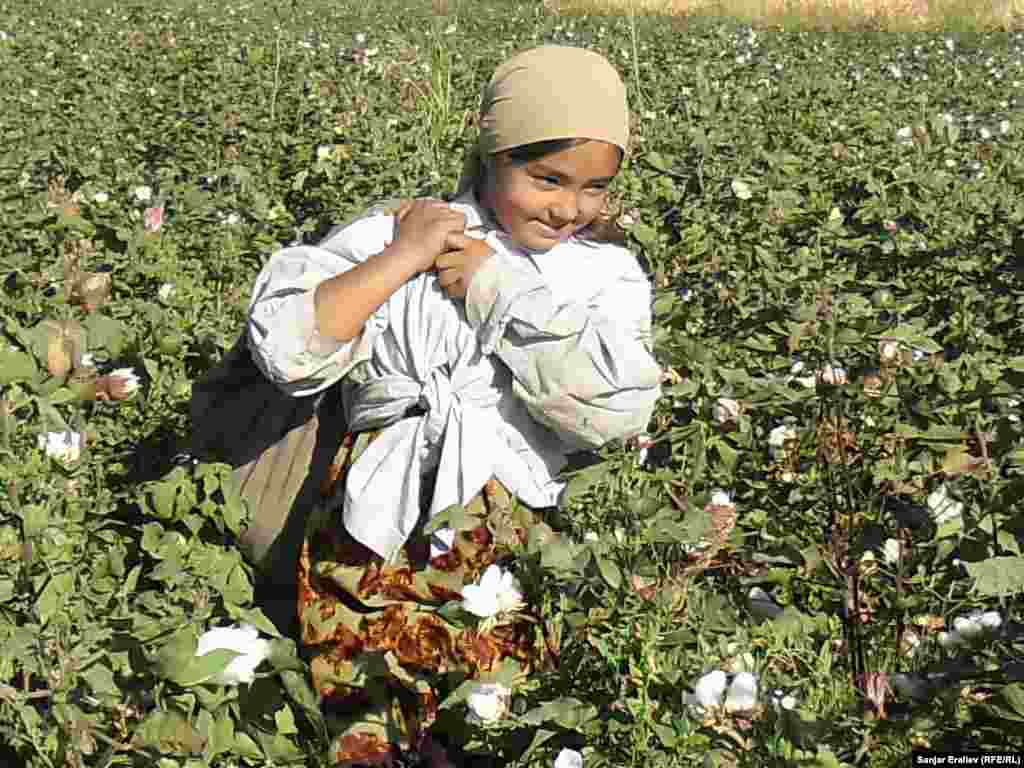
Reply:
x=975, y=626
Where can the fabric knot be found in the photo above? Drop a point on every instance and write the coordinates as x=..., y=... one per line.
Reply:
x=437, y=397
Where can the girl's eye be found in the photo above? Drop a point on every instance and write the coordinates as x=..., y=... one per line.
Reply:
x=550, y=180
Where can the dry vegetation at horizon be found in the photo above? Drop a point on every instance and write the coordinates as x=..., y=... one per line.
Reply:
x=893, y=15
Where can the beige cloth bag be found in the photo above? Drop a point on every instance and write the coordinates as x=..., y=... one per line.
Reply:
x=280, y=446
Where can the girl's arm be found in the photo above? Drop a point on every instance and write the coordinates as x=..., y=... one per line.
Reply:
x=584, y=370
x=284, y=334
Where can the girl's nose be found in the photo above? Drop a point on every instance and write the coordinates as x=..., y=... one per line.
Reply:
x=566, y=209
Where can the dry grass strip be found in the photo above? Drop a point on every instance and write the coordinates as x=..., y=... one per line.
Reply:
x=893, y=15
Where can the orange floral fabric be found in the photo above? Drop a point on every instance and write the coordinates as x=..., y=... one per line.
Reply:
x=381, y=650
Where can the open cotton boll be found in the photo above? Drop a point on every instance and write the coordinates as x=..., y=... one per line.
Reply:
x=489, y=702
x=943, y=507
x=569, y=758
x=709, y=690
x=742, y=694
x=244, y=639
x=497, y=592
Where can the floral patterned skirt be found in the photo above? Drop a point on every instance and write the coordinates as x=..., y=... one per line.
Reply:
x=382, y=653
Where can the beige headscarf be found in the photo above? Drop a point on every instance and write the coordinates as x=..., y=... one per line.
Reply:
x=545, y=93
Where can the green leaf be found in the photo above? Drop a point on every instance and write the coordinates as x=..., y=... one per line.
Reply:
x=558, y=554
x=998, y=576
x=657, y=161
x=221, y=736
x=246, y=747
x=105, y=333
x=55, y=595
x=17, y=366
x=285, y=721
x=609, y=572
x=101, y=679
x=540, y=736
x=199, y=669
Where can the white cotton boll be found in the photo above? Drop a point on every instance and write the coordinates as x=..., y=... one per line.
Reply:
x=100, y=198
x=985, y=133
x=726, y=410
x=968, y=627
x=991, y=620
x=721, y=498
x=360, y=38
x=905, y=135
x=710, y=689
x=777, y=437
x=489, y=702
x=1004, y=127
x=245, y=640
x=891, y=551
x=943, y=507
x=742, y=694
x=950, y=45
x=64, y=446
x=497, y=592
x=569, y=758
x=741, y=189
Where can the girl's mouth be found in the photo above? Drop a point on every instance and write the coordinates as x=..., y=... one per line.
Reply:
x=554, y=234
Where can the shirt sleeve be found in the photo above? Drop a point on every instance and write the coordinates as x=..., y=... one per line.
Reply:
x=583, y=369
x=282, y=333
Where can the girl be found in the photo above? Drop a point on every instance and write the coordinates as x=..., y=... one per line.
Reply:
x=476, y=344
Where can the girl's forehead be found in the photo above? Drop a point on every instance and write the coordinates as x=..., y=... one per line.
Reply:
x=590, y=160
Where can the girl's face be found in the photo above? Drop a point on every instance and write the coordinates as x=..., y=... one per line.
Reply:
x=544, y=202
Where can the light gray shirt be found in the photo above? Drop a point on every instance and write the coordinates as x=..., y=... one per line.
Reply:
x=550, y=353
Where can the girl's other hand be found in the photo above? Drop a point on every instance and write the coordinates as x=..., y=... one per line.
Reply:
x=423, y=227
x=455, y=268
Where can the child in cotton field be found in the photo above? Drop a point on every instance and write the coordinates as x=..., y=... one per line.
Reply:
x=476, y=343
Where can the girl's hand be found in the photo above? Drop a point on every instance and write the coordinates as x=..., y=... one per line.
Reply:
x=455, y=268
x=422, y=228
